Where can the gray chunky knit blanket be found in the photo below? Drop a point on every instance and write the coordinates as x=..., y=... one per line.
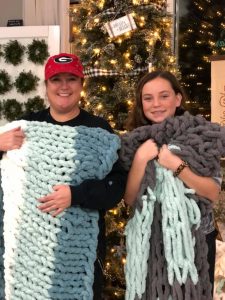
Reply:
x=45, y=257
x=201, y=144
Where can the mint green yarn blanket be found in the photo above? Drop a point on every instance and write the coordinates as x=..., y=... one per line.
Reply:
x=45, y=257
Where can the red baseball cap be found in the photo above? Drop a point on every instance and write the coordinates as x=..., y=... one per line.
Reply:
x=63, y=63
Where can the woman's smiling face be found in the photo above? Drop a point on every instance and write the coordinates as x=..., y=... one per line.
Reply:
x=64, y=92
x=159, y=100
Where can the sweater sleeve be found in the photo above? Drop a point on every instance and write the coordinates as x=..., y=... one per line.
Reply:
x=101, y=194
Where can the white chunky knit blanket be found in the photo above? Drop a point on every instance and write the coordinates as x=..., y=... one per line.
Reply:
x=45, y=257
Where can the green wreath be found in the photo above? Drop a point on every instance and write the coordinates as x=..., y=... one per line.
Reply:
x=12, y=109
x=37, y=51
x=13, y=52
x=34, y=104
x=5, y=82
x=26, y=82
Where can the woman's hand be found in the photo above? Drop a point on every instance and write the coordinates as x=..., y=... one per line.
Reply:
x=168, y=160
x=57, y=201
x=11, y=139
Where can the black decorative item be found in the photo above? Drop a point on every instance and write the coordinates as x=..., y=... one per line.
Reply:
x=15, y=22
x=1, y=53
x=13, y=52
x=12, y=109
x=26, y=82
x=5, y=82
x=34, y=104
x=37, y=51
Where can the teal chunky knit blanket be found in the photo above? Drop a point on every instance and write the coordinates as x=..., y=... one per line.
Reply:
x=45, y=257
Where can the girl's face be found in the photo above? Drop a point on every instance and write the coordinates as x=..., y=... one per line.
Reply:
x=159, y=100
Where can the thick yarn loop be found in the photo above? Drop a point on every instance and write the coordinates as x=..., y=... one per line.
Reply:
x=138, y=232
x=179, y=214
x=201, y=144
x=45, y=257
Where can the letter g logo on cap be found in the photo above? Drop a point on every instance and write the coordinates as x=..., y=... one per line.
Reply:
x=63, y=60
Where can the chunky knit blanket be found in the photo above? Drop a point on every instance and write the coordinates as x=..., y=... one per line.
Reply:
x=166, y=247
x=47, y=257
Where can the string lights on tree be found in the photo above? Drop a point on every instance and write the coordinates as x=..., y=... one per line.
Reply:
x=114, y=61
x=200, y=39
x=119, y=41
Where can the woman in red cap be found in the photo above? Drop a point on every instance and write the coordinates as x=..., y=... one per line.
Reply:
x=64, y=82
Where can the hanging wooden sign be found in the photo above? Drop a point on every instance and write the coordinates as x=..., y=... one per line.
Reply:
x=218, y=89
x=120, y=26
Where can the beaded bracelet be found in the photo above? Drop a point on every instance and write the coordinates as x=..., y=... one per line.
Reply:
x=180, y=168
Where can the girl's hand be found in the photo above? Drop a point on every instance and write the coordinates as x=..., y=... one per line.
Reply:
x=147, y=151
x=168, y=160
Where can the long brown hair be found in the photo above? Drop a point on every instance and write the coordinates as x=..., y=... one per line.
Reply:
x=137, y=117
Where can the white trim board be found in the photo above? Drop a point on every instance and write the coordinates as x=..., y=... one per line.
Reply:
x=52, y=33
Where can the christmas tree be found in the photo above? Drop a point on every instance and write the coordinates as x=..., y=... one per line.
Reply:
x=202, y=35
x=113, y=61
x=118, y=41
